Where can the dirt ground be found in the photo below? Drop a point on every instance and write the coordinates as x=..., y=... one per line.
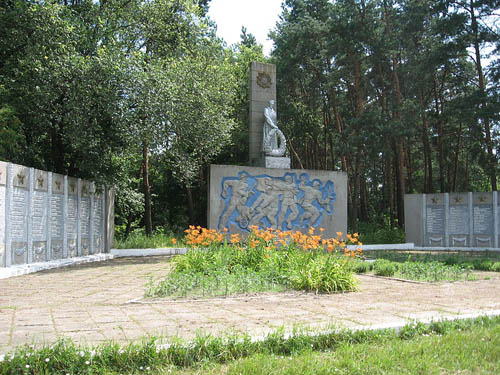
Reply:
x=104, y=301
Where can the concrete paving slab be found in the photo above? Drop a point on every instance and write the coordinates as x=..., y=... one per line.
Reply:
x=95, y=302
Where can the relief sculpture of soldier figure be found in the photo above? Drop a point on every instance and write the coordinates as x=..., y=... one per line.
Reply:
x=311, y=194
x=267, y=205
x=238, y=198
x=271, y=133
x=289, y=191
x=276, y=202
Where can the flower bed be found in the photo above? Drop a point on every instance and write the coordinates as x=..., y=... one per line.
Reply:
x=267, y=260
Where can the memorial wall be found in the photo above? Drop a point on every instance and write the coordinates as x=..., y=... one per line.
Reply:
x=47, y=216
x=453, y=219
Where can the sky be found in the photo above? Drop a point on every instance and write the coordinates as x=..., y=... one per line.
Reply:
x=258, y=16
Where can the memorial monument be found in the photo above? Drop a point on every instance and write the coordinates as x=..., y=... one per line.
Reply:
x=453, y=219
x=268, y=193
x=46, y=216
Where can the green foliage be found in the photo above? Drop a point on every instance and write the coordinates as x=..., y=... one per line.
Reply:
x=458, y=344
x=12, y=140
x=483, y=261
x=360, y=266
x=373, y=233
x=423, y=271
x=226, y=269
x=139, y=240
x=495, y=267
x=384, y=267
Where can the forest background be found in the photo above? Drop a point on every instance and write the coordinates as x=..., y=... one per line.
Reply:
x=402, y=95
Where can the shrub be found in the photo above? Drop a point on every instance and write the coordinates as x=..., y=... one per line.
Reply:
x=495, y=267
x=360, y=266
x=482, y=264
x=384, y=267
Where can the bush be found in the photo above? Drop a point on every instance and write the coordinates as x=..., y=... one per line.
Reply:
x=385, y=267
x=372, y=233
x=360, y=266
x=495, y=267
x=482, y=264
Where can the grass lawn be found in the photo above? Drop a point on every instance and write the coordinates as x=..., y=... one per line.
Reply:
x=474, y=351
x=453, y=347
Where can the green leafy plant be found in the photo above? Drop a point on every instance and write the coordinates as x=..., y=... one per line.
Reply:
x=384, y=267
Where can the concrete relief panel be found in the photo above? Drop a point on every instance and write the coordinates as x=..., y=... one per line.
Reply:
x=57, y=216
x=483, y=219
x=435, y=219
x=241, y=197
x=39, y=215
x=85, y=218
x=459, y=220
x=3, y=200
x=98, y=221
x=72, y=218
x=18, y=214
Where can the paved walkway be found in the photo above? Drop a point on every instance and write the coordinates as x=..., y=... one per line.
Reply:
x=103, y=301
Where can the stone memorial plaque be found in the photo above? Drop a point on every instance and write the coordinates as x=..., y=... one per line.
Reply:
x=3, y=191
x=72, y=215
x=459, y=220
x=3, y=198
x=483, y=220
x=39, y=215
x=98, y=223
x=72, y=221
x=56, y=216
x=435, y=219
x=18, y=215
x=85, y=217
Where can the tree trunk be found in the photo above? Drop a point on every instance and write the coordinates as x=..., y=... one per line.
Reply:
x=457, y=154
x=427, y=148
x=389, y=188
x=440, y=140
x=147, y=189
x=396, y=114
x=482, y=87
x=190, y=205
